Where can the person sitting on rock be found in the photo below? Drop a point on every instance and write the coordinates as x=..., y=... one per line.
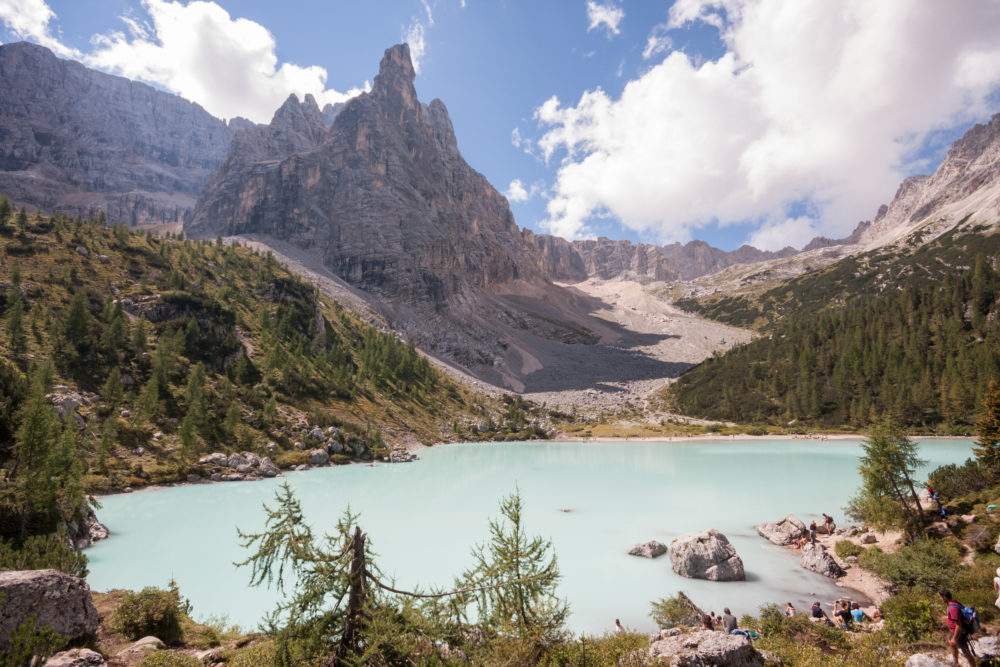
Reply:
x=843, y=615
x=817, y=615
x=706, y=622
x=858, y=614
x=728, y=621
x=789, y=609
x=618, y=626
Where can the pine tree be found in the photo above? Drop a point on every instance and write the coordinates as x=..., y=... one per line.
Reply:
x=5, y=210
x=887, y=497
x=194, y=397
x=987, y=449
x=527, y=609
x=33, y=446
x=15, y=322
x=113, y=389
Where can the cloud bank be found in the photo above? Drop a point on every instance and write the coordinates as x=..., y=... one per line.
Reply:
x=172, y=48
x=814, y=105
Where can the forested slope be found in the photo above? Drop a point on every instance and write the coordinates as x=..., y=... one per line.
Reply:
x=125, y=357
x=912, y=335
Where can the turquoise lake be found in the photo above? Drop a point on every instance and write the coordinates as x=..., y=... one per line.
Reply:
x=423, y=517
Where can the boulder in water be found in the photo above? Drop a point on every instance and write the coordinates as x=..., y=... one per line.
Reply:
x=784, y=531
x=651, y=549
x=706, y=555
x=816, y=559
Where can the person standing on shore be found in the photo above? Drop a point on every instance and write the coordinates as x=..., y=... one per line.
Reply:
x=812, y=533
x=958, y=638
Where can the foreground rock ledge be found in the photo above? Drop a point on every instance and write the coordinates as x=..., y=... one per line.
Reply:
x=705, y=647
x=706, y=555
x=59, y=600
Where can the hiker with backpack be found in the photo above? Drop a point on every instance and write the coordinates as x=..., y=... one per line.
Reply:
x=959, y=628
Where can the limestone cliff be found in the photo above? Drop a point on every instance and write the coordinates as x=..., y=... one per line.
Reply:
x=78, y=140
x=383, y=194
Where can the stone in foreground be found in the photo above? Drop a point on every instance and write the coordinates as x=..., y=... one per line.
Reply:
x=59, y=600
x=784, y=531
x=815, y=558
x=924, y=660
x=651, y=549
x=77, y=657
x=704, y=648
x=706, y=555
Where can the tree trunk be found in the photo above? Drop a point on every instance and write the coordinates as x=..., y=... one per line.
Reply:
x=348, y=645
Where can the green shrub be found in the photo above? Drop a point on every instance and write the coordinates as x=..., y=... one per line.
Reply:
x=910, y=615
x=43, y=552
x=673, y=611
x=845, y=548
x=929, y=564
x=27, y=642
x=151, y=611
x=609, y=649
x=261, y=653
x=168, y=659
x=291, y=458
x=952, y=481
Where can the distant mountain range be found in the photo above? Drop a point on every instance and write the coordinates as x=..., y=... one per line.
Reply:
x=377, y=192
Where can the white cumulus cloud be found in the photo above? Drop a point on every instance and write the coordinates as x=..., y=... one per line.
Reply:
x=607, y=15
x=29, y=19
x=227, y=65
x=825, y=103
x=414, y=37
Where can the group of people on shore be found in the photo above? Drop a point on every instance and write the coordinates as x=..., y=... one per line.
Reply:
x=845, y=614
x=727, y=623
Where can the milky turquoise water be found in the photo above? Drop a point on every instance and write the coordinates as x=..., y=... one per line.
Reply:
x=423, y=517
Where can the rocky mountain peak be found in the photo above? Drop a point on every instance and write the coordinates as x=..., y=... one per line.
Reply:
x=393, y=85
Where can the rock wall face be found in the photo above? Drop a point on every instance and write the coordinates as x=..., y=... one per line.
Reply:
x=573, y=261
x=383, y=194
x=58, y=600
x=78, y=140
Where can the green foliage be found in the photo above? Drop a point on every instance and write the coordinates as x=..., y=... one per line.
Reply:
x=987, y=449
x=151, y=611
x=910, y=615
x=608, y=649
x=528, y=607
x=254, y=655
x=928, y=564
x=887, y=497
x=908, y=337
x=40, y=552
x=845, y=548
x=168, y=659
x=29, y=644
x=952, y=481
x=673, y=611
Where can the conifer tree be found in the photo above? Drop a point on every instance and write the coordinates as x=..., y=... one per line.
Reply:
x=113, y=389
x=5, y=210
x=15, y=322
x=987, y=449
x=194, y=397
x=888, y=497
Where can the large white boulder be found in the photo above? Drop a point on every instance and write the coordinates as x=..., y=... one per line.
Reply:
x=816, y=558
x=706, y=555
x=704, y=648
x=58, y=600
x=784, y=531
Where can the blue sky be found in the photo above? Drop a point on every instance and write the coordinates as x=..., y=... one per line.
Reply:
x=728, y=121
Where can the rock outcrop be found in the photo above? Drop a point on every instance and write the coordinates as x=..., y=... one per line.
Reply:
x=924, y=660
x=816, y=559
x=651, y=549
x=706, y=555
x=784, y=531
x=384, y=200
x=60, y=601
x=79, y=140
x=704, y=648
x=77, y=657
